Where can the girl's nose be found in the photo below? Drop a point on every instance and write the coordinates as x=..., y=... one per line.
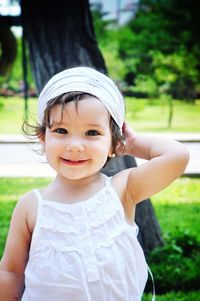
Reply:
x=74, y=144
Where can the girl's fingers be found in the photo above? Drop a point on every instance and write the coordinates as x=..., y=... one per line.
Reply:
x=123, y=147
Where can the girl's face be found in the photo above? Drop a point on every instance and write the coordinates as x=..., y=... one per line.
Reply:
x=79, y=140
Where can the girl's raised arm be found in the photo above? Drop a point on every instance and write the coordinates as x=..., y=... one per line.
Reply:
x=15, y=256
x=167, y=160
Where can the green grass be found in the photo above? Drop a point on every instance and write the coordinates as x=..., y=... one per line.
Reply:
x=178, y=207
x=12, y=114
x=152, y=116
x=175, y=296
x=11, y=189
x=142, y=114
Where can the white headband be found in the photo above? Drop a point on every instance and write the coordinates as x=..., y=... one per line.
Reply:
x=88, y=80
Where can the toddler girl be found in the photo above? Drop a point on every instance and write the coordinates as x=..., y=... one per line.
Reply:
x=76, y=240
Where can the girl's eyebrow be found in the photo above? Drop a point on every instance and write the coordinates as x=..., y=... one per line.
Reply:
x=55, y=123
x=94, y=125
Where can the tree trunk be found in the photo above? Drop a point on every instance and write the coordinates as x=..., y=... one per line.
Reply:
x=60, y=35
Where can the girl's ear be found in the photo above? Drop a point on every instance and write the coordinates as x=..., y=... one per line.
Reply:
x=41, y=138
x=111, y=152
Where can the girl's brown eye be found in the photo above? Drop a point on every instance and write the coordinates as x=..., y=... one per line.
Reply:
x=61, y=131
x=92, y=133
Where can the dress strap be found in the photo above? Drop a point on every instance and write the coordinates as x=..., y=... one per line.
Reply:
x=107, y=179
x=153, y=284
x=38, y=195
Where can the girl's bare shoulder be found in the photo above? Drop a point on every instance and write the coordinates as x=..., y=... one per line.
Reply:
x=29, y=204
x=120, y=183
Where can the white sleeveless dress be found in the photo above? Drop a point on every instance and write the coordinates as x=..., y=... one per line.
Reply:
x=84, y=251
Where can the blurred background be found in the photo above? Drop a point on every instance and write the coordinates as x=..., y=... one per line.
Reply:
x=151, y=48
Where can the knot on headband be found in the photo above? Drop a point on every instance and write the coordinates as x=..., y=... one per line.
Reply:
x=88, y=80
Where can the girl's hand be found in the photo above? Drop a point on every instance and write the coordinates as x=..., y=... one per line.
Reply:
x=128, y=145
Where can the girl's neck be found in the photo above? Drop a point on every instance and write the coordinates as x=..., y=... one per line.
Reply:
x=77, y=183
x=63, y=189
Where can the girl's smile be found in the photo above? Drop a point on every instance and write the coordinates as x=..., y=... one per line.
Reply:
x=74, y=162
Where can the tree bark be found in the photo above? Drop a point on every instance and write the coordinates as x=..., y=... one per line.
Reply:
x=60, y=35
x=8, y=46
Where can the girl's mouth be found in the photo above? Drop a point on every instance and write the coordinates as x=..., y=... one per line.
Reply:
x=73, y=162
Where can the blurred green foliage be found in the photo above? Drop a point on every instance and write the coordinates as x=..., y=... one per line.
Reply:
x=176, y=265
x=14, y=79
x=174, y=296
x=156, y=52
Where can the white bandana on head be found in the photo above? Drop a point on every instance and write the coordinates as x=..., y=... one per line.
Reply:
x=88, y=80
